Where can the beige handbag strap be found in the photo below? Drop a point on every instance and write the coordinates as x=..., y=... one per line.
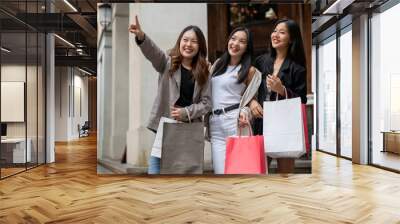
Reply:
x=188, y=114
x=249, y=128
x=276, y=99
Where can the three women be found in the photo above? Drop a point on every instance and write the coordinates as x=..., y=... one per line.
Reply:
x=185, y=82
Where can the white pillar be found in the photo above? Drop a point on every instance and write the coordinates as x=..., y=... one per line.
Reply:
x=104, y=83
x=62, y=103
x=314, y=90
x=120, y=80
x=50, y=100
x=164, y=30
x=50, y=92
x=360, y=90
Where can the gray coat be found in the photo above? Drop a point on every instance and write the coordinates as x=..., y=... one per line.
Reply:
x=169, y=88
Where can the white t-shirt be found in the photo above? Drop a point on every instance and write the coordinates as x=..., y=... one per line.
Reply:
x=226, y=91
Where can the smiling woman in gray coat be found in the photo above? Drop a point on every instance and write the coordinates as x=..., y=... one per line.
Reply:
x=183, y=85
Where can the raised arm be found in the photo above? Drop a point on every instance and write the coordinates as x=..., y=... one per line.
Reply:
x=150, y=50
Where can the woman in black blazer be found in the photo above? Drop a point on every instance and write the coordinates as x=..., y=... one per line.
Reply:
x=284, y=67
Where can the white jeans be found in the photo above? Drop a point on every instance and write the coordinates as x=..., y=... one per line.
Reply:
x=221, y=127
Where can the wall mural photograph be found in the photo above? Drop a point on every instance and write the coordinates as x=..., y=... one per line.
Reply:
x=205, y=89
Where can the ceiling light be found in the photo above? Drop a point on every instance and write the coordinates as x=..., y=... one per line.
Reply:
x=86, y=72
x=270, y=14
x=105, y=14
x=65, y=41
x=5, y=50
x=338, y=6
x=70, y=5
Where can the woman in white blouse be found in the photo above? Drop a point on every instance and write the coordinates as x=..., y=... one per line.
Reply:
x=234, y=84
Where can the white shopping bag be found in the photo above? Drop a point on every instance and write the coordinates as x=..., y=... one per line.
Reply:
x=283, y=128
x=156, y=150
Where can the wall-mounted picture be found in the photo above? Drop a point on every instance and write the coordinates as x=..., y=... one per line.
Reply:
x=197, y=88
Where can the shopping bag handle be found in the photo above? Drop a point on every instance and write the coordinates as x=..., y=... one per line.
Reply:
x=249, y=127
x=276, y=99
x=188, y=114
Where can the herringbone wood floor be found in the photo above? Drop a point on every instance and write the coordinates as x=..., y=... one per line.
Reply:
x=70, y=191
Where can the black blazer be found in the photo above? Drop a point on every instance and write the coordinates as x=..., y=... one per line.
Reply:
x=292, y=75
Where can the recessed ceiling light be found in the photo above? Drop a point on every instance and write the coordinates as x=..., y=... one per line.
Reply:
x=337, y=7
x=64, y=40
x=5, y=50
x=70, y=5
x=86, y=72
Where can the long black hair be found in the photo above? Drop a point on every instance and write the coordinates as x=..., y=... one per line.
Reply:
x=296, y=48
x=245, y=60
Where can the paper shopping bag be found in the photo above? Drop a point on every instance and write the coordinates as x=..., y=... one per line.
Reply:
x=283, y=128
x=156, y=149
x=305, y=125
x=182, y=148
x=245, y=155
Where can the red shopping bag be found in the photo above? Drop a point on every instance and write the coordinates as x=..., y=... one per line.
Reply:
x=245, y=155
x=303, y=112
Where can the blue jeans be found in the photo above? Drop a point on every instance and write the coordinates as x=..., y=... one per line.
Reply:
x=154, y=165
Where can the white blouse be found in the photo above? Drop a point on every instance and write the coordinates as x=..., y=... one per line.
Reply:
x=226, y=91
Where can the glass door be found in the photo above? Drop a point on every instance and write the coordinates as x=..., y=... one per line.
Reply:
x=385, y=89
x=345, y=61
x=327, y=95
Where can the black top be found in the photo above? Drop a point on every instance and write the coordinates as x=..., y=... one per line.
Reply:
x=292, y=75
x=187, y=88
x=187, y=84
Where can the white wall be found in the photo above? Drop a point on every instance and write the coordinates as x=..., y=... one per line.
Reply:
x=67, y=81
x=79, y=117
x=164, y=30
x=33, y=126
x=15, y=72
